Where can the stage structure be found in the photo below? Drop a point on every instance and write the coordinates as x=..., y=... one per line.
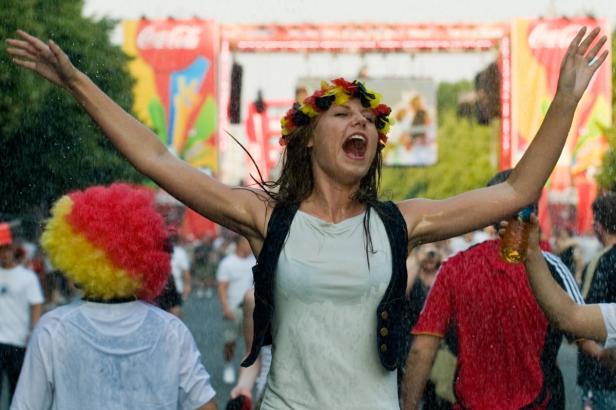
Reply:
x=525, y=48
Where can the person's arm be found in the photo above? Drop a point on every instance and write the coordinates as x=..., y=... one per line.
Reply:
x=246, y=380
x=35, y=388
x=248, y=308
x=428, y=221
x=418, y=367
x=210, y=405
x=223, y=296
x=194, y=381
x=35, y=314
x=584, y=321
x=240, y=210
x=186, y=280
x=248, y=375
x=606, y=357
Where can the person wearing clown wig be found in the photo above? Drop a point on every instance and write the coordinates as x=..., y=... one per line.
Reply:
x=112, y=349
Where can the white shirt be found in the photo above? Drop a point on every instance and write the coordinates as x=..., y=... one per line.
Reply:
x=111, y=356
x=608, y=310
x=324, y=350
x=19, y=290
x=238, y=272
x=179, y=263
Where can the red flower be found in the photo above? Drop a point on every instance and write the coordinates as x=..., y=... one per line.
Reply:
x=344, y=84
x=311, y=101
x=318, y=93
x=382, y=109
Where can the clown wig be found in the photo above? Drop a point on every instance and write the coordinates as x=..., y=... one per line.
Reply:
x=110, y=241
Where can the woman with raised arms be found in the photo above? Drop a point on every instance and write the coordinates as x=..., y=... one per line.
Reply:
x=330, y=274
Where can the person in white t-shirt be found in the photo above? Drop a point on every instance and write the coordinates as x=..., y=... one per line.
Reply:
x=112, y=349
x=180, y=269
x=588, y=321
x=234, y=276
x=21, y=302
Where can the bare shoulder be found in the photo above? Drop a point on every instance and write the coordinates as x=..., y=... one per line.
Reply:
x=259, y=205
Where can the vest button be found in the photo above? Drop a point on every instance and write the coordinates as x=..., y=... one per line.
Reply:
x=384, y=315
x=384, y=331
x=383, y=348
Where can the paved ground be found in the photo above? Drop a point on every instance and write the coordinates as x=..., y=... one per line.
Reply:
x=204, y=318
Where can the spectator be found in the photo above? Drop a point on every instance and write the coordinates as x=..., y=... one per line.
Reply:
x=234, y=277
x=111, y=349
x=599, y=286
x=21, y=302
x=506, y=348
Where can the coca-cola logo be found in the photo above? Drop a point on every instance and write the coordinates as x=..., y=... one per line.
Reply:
x=543, y=35
x=181, y=36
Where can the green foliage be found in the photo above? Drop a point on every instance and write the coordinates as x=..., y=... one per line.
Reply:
x=49, y=145
x=466, y=159
x=448, y=94
x=607, y=175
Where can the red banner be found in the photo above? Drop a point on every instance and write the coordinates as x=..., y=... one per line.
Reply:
x=537, y=49
x=176, y=76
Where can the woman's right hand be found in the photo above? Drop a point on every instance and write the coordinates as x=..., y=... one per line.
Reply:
x=47, y=60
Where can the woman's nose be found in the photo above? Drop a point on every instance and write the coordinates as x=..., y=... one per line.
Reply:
x=360, y=120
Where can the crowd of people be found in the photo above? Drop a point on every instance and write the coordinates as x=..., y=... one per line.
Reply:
x=331, y=275
x=224, y=264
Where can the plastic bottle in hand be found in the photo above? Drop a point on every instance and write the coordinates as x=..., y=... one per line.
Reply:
x=514, y=243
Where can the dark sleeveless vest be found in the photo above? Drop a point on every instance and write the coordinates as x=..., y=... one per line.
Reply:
x=390, y=332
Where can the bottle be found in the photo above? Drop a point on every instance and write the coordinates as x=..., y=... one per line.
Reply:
x=514, y=243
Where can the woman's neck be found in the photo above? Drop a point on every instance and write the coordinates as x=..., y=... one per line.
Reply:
x=332, y=204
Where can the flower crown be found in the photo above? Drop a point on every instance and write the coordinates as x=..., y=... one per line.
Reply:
x=338, y=92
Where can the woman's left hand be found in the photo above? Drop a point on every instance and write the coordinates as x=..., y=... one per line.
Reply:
x=580, y=63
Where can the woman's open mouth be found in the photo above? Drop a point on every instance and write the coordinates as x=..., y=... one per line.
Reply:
x=355, y=146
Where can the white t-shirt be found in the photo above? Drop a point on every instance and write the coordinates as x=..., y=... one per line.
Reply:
x=324, y=350
x=238, y=272
x=122, y=356
x=179, y=263
x=19, y=290
x=608, y=310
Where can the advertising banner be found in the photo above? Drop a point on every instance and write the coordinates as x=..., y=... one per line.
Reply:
x=175, y=70
x=537, y=49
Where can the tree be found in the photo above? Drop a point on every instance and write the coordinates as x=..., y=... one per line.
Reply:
x=49, y=145
x=607, y=175
x=466, y=157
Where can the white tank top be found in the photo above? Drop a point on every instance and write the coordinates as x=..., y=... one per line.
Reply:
x=324, y=330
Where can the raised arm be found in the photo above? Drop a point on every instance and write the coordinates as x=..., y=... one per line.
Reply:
x=428, y=221
x=238, y=209
x=585, y=321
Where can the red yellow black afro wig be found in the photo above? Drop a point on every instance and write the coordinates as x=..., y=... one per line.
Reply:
x=110, y=241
